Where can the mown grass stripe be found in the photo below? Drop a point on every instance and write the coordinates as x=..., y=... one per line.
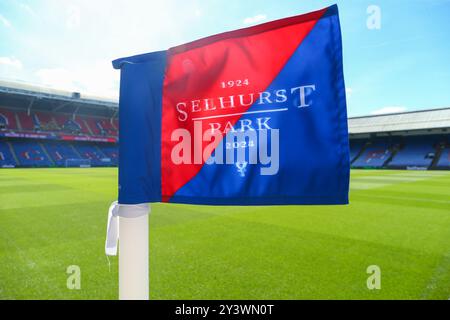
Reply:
x=206, y=252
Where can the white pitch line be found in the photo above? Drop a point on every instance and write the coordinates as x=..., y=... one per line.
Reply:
x=237, y=114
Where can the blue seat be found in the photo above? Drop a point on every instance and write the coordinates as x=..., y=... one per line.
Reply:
x=374, y=155
x=6, y=157
x=92, y=153
x=416, y=152
x=444, y=160
x=30, y=154
x=60, y=152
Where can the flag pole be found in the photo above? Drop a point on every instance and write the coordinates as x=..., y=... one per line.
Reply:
x=133, y=252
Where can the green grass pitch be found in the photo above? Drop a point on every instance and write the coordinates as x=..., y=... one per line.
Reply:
x=398, y=220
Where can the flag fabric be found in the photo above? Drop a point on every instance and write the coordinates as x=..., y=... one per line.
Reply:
x=255, y=116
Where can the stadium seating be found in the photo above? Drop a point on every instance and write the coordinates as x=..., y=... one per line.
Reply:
x=6, y=157
x=444, y=160
x=83, y=125
x=45, y=153
x=355, y=148
x=66, y=137
x=108, y=128
x=43, y=134
x=111, y=152
x=101, y=126
x=61, y=120
x=60, y=152
x=413, y=152
x=70, y=125
x=7, y=119
x=417, y=152
x=26, y=121
x=93, y=125
x=31, y=154
x=46, y=122
x=57, y=122
x=375, y=155
x=93, y=153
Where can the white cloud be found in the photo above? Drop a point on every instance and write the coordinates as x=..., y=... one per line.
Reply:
x=11, y=62
x=255, y=19
x=73, y=17
x=99, y=79
x=386, y=110
x=28, y=9
x=57, y=77
x=5, y=22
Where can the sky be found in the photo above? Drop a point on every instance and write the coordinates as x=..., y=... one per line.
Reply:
x=396, y=52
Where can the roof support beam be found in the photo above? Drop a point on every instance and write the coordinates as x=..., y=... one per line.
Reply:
x=30, y=105
x=62, y=105
x=75, y=112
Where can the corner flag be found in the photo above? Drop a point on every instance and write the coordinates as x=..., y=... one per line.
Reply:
x=255, y=116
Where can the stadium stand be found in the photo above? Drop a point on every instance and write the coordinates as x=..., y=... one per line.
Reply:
x=63, y=122
x=416, y=152
x=444, y=159
x=44, y=127
x=56, y=122
x=60, y=152
x=107, y=127
x=355, y=148
x=94, y=126
x=93, y=153
x=82, y=123
x=74, y=125
x=30, y=154
x=110, y=152
x=26, y=121
x=45, y=122
x=7, y=119
x=375, y=155
x=409, y=140
x=6, y=156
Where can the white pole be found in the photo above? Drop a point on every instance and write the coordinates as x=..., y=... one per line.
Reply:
x=133, y=252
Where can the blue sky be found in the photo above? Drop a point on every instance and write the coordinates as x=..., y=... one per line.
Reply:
x=402, y=66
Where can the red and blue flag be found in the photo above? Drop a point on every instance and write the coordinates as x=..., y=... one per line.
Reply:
x=255, y=116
